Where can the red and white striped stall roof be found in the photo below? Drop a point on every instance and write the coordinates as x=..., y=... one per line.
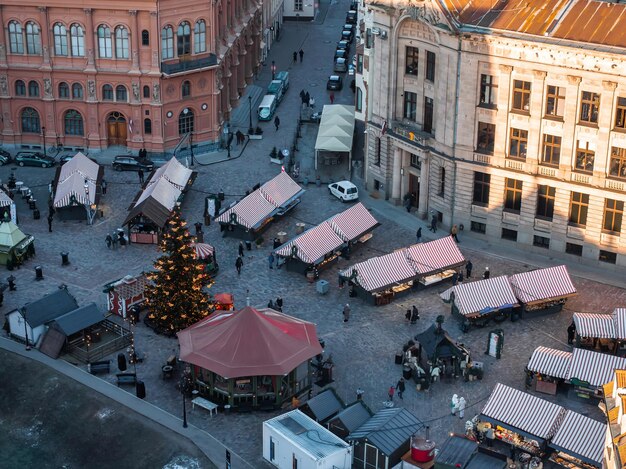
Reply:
x=312, y=245
x=203, y=250
x=280, y=189
x=380, y=272
x=472, y=298
x=353, y=223
x=550, y=362
x=436, y=255
x=594, y=367
x=250, y=211
x=523, y=411
x=619, y=318
x=581, y=437
x=595, y=325
x=542, y=284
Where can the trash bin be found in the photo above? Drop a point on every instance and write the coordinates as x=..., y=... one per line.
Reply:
x=322, y=287
x=32, y=204
x=299, y=228
x=406, y=372
x=220, y=195
x=227, y=409
x=121, y=362
x=140, y=389
x=281, y=236
x=38, y=273
x=36, y=214
x=249, y=245
x=398, y=360
x=65, y=258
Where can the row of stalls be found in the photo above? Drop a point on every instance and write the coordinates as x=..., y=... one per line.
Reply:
x=522, y=295
x=250, y=216
x=153, y=204
x=319, y=247
x=536, y=430
x=602, y=332
x=379, y=279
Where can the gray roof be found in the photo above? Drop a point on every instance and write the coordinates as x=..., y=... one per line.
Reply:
x=308, y=435
x=79, y=319
x=456, y=450
x=324, y=405
x=354, y=416
x=388, y=429
x=485, y=461
x=49, y=307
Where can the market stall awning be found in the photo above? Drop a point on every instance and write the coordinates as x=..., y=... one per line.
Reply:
x=550, y=362
x=353, y=223
x=312, y=245
x=381, y=272
x=82, y=164
x=10, y=235
x=619, y=318
x=581, y=437
x=520, y=411
x=595, y=325
x=483, y=296
x=203, y=250
x=77, y=181
x=542, y=284
x=435, y=256
x=336, y=130
x=594, y=368
x=5, y=200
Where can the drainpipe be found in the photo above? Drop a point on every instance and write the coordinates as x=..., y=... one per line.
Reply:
x=455, y=128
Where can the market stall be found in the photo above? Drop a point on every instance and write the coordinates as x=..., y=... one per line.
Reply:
x=7, y=207
x=549, y=367
x=77, y=190
x=224, y=302
x=125, y=293
x=602, y=332
x=590, y=370
x=15, y=246
x=205, y=253
x=579, y=442
x=542, y=291
x=249, y=217
x=436, y=261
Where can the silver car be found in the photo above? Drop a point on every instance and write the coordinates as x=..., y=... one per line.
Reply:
x=340, y=65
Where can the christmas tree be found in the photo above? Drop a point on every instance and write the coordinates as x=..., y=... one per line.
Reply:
x=175, y=298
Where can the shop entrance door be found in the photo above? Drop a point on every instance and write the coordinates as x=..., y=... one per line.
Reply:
x=414, y=190
x=117, y=129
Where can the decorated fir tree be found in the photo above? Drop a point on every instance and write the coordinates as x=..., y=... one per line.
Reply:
x=175, y=298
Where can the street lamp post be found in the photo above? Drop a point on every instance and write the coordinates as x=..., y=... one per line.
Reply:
x=43, y=133
x=25, y=329
x=273, y=69
x=250, y=129
x=91, y=209
x=183, y=389
x=191, y=147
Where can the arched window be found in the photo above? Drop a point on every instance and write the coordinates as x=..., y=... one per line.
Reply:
x=77, y=91
x=147, y=126
x=30, y=121
x=167, y=42
x=64, y=90
x=104, y=42
x=20, y=88
x=121, y=42
x=33, y=89
x=199, y=37
x=73, y=123
x=33, y=39
x=16, y=39
x=60, y=39
x=183, y=39
x=120, y=93
x=185, y=122
x=146, y=91
x=77, y=35
x=186, y=89
x=145, y=37
x=107, y=93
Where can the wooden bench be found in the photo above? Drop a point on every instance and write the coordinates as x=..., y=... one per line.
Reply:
x=101, y=367
x=205, y=404
x=126, y=378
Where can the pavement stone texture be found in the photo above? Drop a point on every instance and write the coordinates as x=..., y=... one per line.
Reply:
x=363, y=349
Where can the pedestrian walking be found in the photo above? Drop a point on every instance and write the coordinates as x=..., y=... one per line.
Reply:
x=571, y=333
x=307, y=98
x=400, y=387
x=346, y=312
x=486, y=273
x=407, y=203
x=103, y=185
x=454, y=405
x=122, y=238
x=279, y=302
x=455, y=278
x=270, y=305
x=433, y=224
x=415, y=315
x=114, y=241
x=460, y=277
x=301, y=53
x=11, y=281
x=434, y=373
x=239, y=264
x=390, y=393
x=407, y=316
x=140, y=174
x=453, y=232
x=108, y=240
x=276, y=122
x=302, y=96
x=270, y=260
x=295, y=57
x=418, y=234
x=461, y=407
x=332, y=97
x=240, y=248
x=468, y=269
x=50, y=218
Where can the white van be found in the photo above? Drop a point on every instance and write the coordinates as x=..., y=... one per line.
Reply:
x=267, y=107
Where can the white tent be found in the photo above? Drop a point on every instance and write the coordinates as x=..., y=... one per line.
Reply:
x=336, y=131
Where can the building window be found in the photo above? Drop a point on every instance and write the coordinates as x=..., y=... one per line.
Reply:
x=377, y=151
x=575, y=249
x=617, y=168
x=555, y=101
x=589, y=107
x=488, y=91
x=185, y=122
x=147, y=126
x=541, y=242
x=359, y=100
x=607, y=256
x=518, y=144
x=410, y=105
x=33, y=89
x=579, y=206
x=613, y=212
x=478, y=227
x=546, y=196
x=442, y=182
x=73, y=123
x=521, y=95
x=64, y=90
x=584, y=157
x=60, y=39
x=199, y=37
x=167, y=43
x=183, y=39
x=77, y=36
x=20, y=88
x=412, y=60
x=186, y=89
x=359, y=63
x=486, y=138
x=30, y=121
x=120, y=93
x=415, y=162
x=429, y=110
x=620, y=114
x=121, y=42
x=33, y=39
x=430, y=66
x=145, y=37
x=105, y=45
x=482, y=182
x=107, y=93
x=146, y=91
x=297, y=5
x=77, y=91
x=511, y=235
x=512, y=195
x=551, y=153
x=16, y=39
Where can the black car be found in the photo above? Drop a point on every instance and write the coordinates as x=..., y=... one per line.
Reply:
x=351, y=17
x=346, y=35
x=130, y=163
x=340, y=54
x=335, y=82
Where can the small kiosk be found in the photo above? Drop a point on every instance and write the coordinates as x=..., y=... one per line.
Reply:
x=436, y=261
x=77, y=189
x=7, y=207
x=442, y=351
x=125, y=293
x=549, y=368
x=15, y=246
x=205, y=253
x=579, y=442
x=602, y=332
x=590, y=370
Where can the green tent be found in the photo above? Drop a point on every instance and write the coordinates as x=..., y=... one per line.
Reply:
x=14, y=244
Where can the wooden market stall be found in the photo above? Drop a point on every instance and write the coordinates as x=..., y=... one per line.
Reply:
x=436, y=261
x=549, y=368
x=125, y=293
x=205, y=253
x=77, y=189
x=602, y=332
x=15, y=246
x=437, y=348
x=579, y=442
x=8, y=210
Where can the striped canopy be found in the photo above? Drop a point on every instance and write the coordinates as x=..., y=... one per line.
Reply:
x=484, y=296
x=542, y=284
x=379, y=272
x=71, y=180
x=550, y=362
x=595, y=325
x=581, y=437
x=619, y=318
x=312, y=245
x=203, y=250
x=593, y=367
x=353, y=223
x=436, y=255
x=5, y=200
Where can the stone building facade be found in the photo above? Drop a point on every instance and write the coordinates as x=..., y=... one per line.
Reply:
x=518, y=134
x=138, y=75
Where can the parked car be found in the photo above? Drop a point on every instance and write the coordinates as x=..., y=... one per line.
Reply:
x=344, y=191
x=343, y=45
x=340, y=66
x=5, y=157
x=354, y=5
x=340, y=54
x=130, y=163
x=346, y=35
x=335, y=82
x=351, y=17
x=34, y=158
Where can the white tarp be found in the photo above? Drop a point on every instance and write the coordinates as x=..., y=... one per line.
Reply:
x=336, y=130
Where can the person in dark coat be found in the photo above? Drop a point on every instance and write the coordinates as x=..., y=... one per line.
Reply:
x=270, y=305
x=104, y=187
x=108, y=240
x=50, y=218
x=408, y=315
x=468, y=269
x=239, y=264
x=433, y=224
x=276, y=243
x=415, y=315
x=140, y=174
x=571, y=333
x=307, y=98
x=240, y=248
x=418, y=234
x=277, y=122
x=279, y=304
x=486, y=274
x=295, y=57
x=301, y=55
x=400, y=387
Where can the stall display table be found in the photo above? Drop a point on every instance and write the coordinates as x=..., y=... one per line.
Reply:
x=205, y=404
x=144, y=238
x=436, y=278
x=546, y=387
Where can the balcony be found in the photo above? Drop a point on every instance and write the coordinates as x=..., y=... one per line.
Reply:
x=546, y=171
x=410, y=131
x=517, y=165
x=188, y=65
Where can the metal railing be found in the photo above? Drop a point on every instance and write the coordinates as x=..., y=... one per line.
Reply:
x=186, y=65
